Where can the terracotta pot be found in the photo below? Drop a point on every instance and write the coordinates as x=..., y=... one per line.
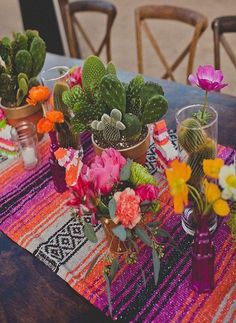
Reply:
x=137, y=152
x=23, y=113
x=114, y=244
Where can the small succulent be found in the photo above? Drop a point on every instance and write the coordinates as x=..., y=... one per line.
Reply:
x=110, y=126
x=21, y=60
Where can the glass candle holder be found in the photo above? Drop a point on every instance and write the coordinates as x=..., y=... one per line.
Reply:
x=24, y=134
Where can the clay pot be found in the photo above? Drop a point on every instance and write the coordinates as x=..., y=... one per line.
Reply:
x=114, y=244
x=137, y=152
x=23, y=113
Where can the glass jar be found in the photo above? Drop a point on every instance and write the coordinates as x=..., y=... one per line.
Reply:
x=25, y=137
x=196, y=143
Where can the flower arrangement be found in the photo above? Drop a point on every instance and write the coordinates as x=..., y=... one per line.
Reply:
x=208, y=79
x=123, y=196
x=116, y=113
x=21, y=60
x=219, y=187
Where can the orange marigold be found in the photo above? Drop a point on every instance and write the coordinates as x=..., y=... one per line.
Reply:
x=44, y=125
x=38, y=94
x=55, y=116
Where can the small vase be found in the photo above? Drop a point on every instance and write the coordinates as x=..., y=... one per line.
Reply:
x=202, y=258
x=58, y=172
x=196, y=142
x=115, y=245
x=189, y=222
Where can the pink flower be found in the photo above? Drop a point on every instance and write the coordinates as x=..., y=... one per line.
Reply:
x=147, y=192
x=127, y=208
x=75, y=77
x=2, y=116
x=207, y=78
x=105, y=170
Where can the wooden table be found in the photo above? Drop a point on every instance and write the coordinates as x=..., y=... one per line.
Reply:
x=31, y=292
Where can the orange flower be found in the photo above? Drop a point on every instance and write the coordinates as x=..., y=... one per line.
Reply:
x=55, y=116
x=38, y=94
x=177, y=177
x=44, y=125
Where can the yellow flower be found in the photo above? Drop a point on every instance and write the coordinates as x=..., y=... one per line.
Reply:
x=212, y=194
x=211, y=167
x=177, y=176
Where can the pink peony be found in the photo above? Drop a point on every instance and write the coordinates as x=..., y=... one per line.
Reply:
x=105, y=170
x=147, y=192
x=127, y=208
x=207, y=78
x=75, y=77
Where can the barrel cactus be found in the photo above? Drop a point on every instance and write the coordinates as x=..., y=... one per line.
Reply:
x=21, y=60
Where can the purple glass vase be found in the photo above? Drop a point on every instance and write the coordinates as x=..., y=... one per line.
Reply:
x=202, y=258
x=58, y=172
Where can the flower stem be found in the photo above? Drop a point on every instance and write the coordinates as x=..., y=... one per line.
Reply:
x=204, y=104
x=196, y=196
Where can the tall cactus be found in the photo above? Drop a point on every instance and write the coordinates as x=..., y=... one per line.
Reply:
x=24, y=54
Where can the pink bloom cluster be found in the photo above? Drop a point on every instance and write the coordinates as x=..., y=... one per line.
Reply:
x=75, y=77
x=207, y=78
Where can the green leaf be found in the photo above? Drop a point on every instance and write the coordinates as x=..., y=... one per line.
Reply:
x=143, y=277
x=156, y=265
x=102, y=207
x=163, y=233
x=153, y=224
x=120, y=232
x=114, y=269
x=89, y=232
x=134, y=244
x=112, y=208
x=108, y=291
x=125, y=170
x=93, y=263
x=143, y=235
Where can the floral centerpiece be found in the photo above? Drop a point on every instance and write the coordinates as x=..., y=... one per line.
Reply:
x=21, y=60
x=115, y=112
x=219, y=185
x=197, y=125
x=123, y=196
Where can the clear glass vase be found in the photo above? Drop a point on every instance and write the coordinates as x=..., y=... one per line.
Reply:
x=196, y=143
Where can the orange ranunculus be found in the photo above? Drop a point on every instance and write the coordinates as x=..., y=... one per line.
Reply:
x=177, y=176
x=37, y=94
x=55, y=116
x=44, y=125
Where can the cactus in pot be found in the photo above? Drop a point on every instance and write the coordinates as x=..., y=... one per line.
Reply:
x=21, y=60
x=96, y=104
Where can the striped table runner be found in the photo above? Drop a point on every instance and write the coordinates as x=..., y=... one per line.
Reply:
x=37, y=218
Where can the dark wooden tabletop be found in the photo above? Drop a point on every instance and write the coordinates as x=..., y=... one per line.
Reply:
x=31, y=292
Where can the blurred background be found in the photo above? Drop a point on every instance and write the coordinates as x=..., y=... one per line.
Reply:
x=172, y=37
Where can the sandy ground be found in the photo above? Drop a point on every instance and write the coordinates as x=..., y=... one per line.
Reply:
x=171, y=36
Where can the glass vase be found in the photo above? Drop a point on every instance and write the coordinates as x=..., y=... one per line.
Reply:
x=202, y=258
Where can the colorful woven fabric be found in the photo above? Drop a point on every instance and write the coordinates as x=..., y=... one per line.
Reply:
x=37, y=218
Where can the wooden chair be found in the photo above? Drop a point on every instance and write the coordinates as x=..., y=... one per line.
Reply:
x=220, y=26
x=190, y=17
x=72, y=23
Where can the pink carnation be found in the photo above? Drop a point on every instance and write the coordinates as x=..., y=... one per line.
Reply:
x=207, y=78
x=147, y=192
x=105, y=170
x=127, y=208
x=2, y=116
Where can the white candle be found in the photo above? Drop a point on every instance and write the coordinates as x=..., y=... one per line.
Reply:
x=29, y=156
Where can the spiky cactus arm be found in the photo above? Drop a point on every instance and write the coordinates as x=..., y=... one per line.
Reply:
x=113, y=93
x=133, y=126
x=154, y=109
x=133, y=99
x=111, y=69
x=149, y=90
x=232, y=221
x=140, y=175
x=92, y=73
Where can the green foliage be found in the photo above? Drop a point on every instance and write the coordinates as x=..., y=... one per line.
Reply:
x=89, y=232
x=156, y=265
x=119, y=231
x=126, y=170
x=140, y=175
x=232, y=221
x=24, y=54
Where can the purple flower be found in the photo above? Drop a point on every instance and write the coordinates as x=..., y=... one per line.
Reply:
x=207, y=78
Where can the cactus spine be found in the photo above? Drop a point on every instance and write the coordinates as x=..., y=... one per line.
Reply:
x=24, y=54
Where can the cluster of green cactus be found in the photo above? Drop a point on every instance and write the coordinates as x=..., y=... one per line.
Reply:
x=21, y=60
x=198, y=145
x=139, y=102
x=65, y=135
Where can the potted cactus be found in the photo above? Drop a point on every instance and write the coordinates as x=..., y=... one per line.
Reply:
x=116, y=113
x=21, y=60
